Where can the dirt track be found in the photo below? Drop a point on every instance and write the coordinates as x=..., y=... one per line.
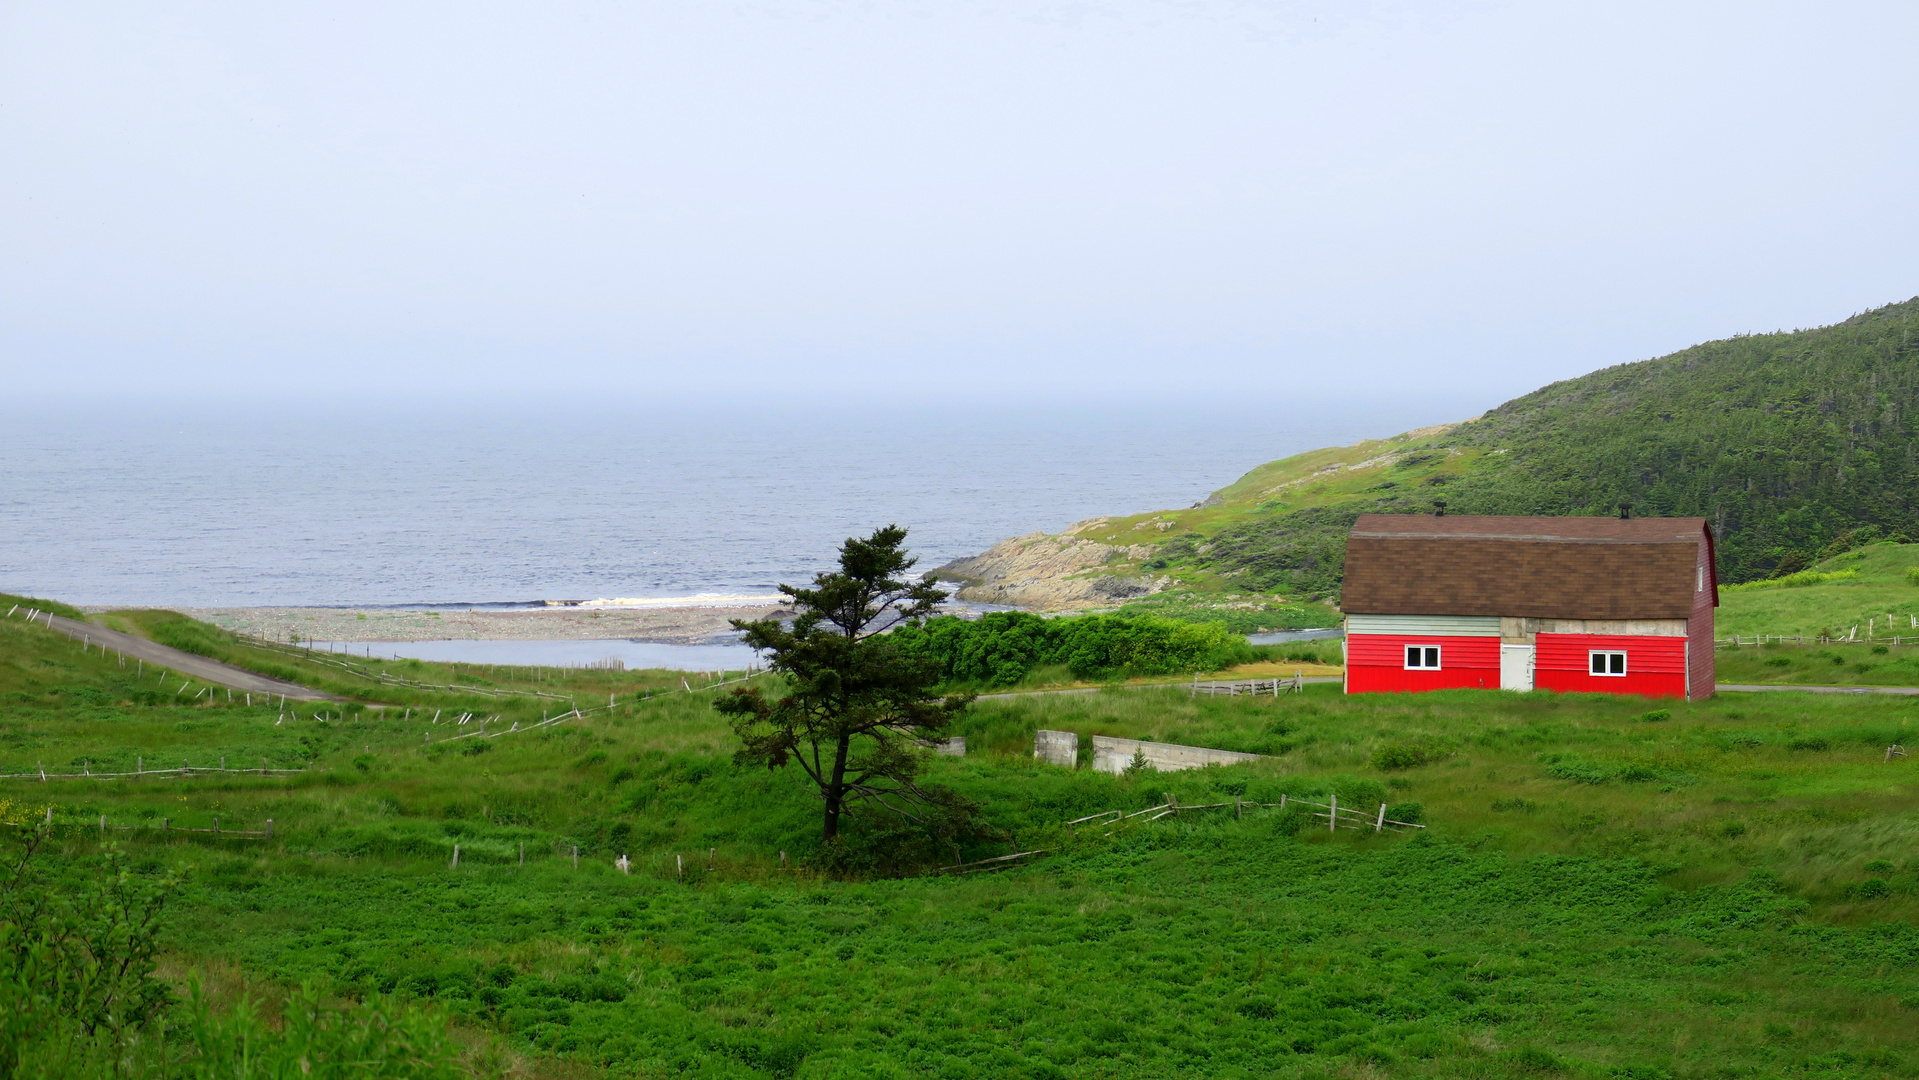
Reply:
x=186, y=663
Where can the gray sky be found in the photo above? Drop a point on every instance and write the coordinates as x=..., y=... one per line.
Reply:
x=1136, y=199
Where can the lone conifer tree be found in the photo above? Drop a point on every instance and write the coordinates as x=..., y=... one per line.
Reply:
x=855, y=708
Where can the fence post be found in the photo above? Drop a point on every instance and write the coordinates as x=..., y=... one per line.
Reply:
x=1238, y=810
x=680, y=864
x=782, y=860
x=456, y=857
x=710, y=852
x=1380, y=825
x=49, y=814
x=263, y=766
x=165, y=824
x=576, y=856
x=216, y=826
x=269, y=835
x=1332, y=814
x=103, y=826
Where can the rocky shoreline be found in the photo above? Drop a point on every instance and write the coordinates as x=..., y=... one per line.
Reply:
x=696, y=624
x=1052, y=573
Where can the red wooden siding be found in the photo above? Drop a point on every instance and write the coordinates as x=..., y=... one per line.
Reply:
x=1655, y=666
x=1376, y=663
x=1699, y=628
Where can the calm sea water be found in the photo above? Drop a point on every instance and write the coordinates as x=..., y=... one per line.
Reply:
x=230, y=506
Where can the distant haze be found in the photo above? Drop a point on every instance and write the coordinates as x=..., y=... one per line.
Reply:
x=1153, y=201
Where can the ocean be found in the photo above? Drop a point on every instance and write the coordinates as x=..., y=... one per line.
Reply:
x=393, y=505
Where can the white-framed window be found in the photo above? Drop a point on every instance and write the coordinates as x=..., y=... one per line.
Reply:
x=1422, y=658
x=1607, y=663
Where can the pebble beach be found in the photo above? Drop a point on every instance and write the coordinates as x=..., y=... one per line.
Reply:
x=699, y=622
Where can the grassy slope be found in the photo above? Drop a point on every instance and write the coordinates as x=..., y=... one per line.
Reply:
x=1785, y=441
x=1833, y=608
x=1587, y=892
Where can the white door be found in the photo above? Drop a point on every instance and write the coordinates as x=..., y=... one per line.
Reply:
x=1515, y=667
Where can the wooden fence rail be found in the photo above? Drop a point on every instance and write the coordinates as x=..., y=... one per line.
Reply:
x=1337, y=816
x=1757, y=640
x=1254, y=687
x=165, y=828
x=184, y=770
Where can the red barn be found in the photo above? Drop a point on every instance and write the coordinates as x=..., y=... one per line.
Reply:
x=1614, y=605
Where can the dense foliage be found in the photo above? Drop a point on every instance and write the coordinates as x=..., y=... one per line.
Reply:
x=1001, y=648
x=79, y=996
x=1794, y=445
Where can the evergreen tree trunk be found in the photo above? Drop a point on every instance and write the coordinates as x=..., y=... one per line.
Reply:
x=836, y=789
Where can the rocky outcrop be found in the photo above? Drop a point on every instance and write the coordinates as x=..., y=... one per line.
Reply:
x=1049, y=572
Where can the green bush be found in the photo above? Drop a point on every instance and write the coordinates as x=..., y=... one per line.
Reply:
x=1873, y=889
x=1400, y=756
x=1656, y=716
x=1004, y=647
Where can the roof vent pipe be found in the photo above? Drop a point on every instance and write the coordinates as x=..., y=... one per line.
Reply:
x=1439, y=508
x=1625, y=511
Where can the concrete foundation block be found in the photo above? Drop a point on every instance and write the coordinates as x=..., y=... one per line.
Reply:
x=1111, y=755
x=1057, y=748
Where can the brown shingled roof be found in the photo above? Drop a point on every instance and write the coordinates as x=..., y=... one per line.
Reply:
x=1527, y=567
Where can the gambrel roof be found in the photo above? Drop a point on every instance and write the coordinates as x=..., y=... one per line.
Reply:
x=1525, y=567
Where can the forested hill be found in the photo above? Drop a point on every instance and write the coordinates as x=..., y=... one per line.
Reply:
x=1786, y=442
x=1792, y=444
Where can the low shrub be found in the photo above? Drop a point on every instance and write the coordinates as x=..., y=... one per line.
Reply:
x=1400, y=756
x=1656, y=716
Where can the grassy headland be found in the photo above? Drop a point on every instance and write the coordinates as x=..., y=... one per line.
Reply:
x=1608, y=887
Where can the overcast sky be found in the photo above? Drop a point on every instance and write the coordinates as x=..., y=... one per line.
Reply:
x=1139, y=199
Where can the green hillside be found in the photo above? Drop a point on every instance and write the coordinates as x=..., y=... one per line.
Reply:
x=1870, y=588
x=1796, y=446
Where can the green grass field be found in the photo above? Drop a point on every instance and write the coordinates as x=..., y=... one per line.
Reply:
x=1881, y=591
x=1608, y=887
